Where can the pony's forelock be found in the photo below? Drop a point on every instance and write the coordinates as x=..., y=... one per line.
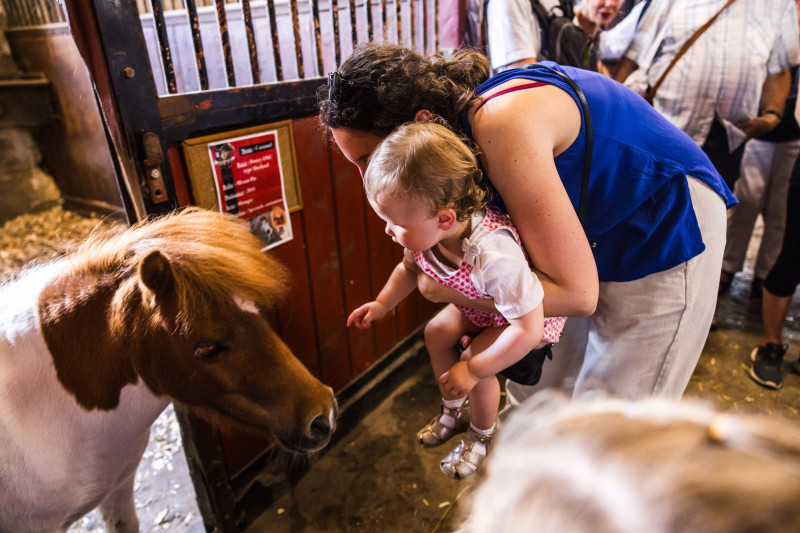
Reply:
x=213, y=257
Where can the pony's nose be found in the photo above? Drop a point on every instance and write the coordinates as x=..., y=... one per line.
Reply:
x=323, y=425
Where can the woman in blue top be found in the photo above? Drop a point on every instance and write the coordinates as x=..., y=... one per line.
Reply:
x=654, y=212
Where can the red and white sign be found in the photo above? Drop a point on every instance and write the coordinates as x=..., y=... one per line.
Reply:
x=249, y=182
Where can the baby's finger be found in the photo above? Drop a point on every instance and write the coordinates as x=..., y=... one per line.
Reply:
x=464, y=342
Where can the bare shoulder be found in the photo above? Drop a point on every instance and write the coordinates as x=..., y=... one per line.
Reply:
x=544, y=115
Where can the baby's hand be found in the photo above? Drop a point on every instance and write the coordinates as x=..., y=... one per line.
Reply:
x=364, y=316
x=459, y=380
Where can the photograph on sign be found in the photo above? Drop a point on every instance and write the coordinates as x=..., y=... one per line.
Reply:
x=249, y=182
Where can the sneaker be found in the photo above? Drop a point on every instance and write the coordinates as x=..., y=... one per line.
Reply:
x=449, y=422
x=767, y=361
x=470, y=453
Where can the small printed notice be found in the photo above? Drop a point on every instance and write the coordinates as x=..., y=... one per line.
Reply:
x=249, y=181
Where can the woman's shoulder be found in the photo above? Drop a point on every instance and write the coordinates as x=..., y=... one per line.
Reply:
x=542, y=119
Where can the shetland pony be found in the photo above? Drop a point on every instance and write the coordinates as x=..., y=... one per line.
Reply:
x=95, y=345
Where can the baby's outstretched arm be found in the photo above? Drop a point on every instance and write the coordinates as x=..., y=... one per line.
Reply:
x=400, y=284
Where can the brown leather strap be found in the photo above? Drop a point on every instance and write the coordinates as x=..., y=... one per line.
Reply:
x=651, y=92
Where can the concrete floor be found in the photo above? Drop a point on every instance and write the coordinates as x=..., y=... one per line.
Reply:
x=377, y=478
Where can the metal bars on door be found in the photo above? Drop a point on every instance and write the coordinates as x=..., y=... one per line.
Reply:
x=199, y=45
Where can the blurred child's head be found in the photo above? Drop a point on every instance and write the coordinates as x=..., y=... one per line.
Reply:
x=614, y=466
x=430, y=163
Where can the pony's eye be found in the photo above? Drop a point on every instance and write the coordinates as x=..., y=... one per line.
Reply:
x=210, y=350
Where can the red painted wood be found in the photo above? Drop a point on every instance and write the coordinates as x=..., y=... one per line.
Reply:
x=351, y=214
x=382, y=262
x=296, y=315
x=313, y=166
x=175, y=158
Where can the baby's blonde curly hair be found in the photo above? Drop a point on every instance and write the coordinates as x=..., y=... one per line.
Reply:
x=429, y=162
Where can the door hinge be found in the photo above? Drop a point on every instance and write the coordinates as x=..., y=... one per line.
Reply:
x=154, y=186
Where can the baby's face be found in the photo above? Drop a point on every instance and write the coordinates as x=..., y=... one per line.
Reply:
x=408, y=222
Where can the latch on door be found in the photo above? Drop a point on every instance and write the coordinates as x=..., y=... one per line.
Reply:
x=154, y=158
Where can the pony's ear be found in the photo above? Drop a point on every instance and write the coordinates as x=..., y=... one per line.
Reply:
x=155, y=273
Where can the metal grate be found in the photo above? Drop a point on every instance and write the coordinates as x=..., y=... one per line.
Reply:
x=23, y=13
x=199, y=45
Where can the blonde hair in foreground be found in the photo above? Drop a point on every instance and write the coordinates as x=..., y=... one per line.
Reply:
x=429, y=162
x=655, y=466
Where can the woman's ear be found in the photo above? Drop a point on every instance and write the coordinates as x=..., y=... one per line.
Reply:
x=423, y=115
x=447, y=217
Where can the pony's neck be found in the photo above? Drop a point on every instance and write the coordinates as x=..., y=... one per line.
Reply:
x=91, y=362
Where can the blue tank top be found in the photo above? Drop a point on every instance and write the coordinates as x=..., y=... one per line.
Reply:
x=638, y=209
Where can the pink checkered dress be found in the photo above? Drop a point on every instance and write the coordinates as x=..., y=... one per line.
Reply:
x=462, y=281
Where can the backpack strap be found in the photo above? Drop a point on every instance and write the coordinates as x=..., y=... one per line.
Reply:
x=587, y=154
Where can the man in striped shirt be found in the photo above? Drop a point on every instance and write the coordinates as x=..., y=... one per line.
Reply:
x=738, y=71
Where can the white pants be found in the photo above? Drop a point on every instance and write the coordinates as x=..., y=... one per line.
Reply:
x=646, y=336
x=761, y=189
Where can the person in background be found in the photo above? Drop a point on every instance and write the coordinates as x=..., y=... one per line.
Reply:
x=515, y=35
x=779, y=288
x=612, y=43
x=761, y=189
x=424, y=182
x=732, y=83
x=658, y=466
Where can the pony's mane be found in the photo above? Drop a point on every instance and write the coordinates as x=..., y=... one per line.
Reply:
x=213, y=256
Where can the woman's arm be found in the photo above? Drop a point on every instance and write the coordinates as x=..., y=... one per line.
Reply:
x=519, y=135
x=434, y=291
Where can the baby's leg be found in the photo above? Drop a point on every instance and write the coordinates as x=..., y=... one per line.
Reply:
x=484, y=398
x=441, y=337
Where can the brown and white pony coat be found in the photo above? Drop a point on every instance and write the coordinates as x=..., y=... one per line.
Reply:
x=95, y=345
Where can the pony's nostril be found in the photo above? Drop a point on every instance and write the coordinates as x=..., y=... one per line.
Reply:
x=321, y=428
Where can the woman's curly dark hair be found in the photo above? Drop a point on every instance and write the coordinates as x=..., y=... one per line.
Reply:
x=381, y=86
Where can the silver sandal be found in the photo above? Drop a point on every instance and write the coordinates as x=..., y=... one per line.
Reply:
x=443, y=427
x=470, y=453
